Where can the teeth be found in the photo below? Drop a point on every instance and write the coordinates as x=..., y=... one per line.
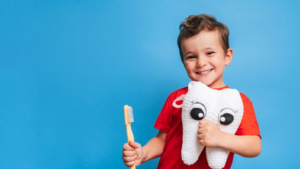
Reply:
x=203, y=73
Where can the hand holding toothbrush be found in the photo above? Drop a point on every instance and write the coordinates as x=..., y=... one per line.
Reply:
x=132, y=154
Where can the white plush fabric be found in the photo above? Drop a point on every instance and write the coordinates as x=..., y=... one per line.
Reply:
x=214, y=104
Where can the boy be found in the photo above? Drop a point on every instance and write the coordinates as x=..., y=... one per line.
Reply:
x=204, y=51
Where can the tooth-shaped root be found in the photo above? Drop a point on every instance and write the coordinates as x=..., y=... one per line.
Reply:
x=191, y=149
x=216, y=157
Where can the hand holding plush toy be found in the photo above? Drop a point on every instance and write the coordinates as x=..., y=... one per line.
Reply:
x=208, y=133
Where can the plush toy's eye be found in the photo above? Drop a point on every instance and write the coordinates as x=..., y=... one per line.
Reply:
x=226, y=116
x=198, y=111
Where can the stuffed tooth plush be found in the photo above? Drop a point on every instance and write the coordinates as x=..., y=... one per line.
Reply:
x=222, y=107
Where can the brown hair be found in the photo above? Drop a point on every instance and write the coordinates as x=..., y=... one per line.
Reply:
x=194, y=24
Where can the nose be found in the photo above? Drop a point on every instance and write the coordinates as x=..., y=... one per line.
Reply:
x=201, y=61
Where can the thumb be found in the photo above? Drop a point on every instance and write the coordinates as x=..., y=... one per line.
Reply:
x=138, y=149
x=134, y=145
x=204, y=121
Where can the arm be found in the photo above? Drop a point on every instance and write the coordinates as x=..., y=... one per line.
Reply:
x=246, y=146
x=210, y=135
x=154, y=148
x=134, y=153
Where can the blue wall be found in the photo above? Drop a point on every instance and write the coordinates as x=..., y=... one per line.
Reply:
x=67, y=68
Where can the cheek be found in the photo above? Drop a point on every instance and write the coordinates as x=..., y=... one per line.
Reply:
x=188, y=67
x=219, y=63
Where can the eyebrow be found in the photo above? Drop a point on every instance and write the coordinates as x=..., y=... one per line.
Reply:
x=230, y=109
x=188, y=53
x=199, y=103
x=210, y=48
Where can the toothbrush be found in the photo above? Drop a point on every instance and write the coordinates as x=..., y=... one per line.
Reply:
x=128, y=114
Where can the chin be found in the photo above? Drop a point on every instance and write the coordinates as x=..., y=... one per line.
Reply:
x=206, y=82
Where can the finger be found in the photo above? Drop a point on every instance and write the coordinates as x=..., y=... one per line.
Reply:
x=202, y=142
x=129, y=164
x=201, y=136
x=202, y=130
x=129, y=153
x=127, y=147
x=130, y=159
x=202, y=123
x=134, y=145
x=205, y=121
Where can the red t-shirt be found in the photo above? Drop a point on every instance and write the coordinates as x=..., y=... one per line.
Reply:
x=169, y=120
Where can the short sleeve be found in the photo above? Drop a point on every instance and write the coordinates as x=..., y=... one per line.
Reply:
x=164, y=120
x=249, y=125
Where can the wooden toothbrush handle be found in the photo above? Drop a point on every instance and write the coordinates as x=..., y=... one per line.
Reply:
x=129, y=133
x=130, y=138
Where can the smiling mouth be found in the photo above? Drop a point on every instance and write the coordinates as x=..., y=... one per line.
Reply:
x=204, y=72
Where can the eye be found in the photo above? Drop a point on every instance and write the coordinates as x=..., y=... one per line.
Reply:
x=198, y=111
x=226, y=116
x=210, y=53
x=191, y=57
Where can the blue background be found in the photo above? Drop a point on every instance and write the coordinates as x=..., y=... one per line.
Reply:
x=67, y=68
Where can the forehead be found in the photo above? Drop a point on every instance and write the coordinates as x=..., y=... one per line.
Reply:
x=202, y=40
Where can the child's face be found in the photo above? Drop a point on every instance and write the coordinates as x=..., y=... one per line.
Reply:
x=205, y=59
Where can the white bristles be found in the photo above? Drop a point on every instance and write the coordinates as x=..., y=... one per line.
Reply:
x=129, y=112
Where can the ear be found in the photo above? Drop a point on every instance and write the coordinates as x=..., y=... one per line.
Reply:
x=228, y=56
x=191, y=84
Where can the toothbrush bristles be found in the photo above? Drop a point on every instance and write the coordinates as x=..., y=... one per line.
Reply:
x=129, y=114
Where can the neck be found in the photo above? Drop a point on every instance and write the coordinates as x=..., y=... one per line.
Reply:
x=217, y=85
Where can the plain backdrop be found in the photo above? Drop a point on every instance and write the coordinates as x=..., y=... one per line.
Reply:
x=67, y=68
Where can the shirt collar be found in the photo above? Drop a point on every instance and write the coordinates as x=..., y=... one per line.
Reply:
x=221, y=88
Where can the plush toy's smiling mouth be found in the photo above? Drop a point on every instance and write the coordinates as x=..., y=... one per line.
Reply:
x=204, y=72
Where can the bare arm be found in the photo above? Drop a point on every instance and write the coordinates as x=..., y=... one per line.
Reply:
x=246, y=146
x=154, y=148
x=210, y=135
